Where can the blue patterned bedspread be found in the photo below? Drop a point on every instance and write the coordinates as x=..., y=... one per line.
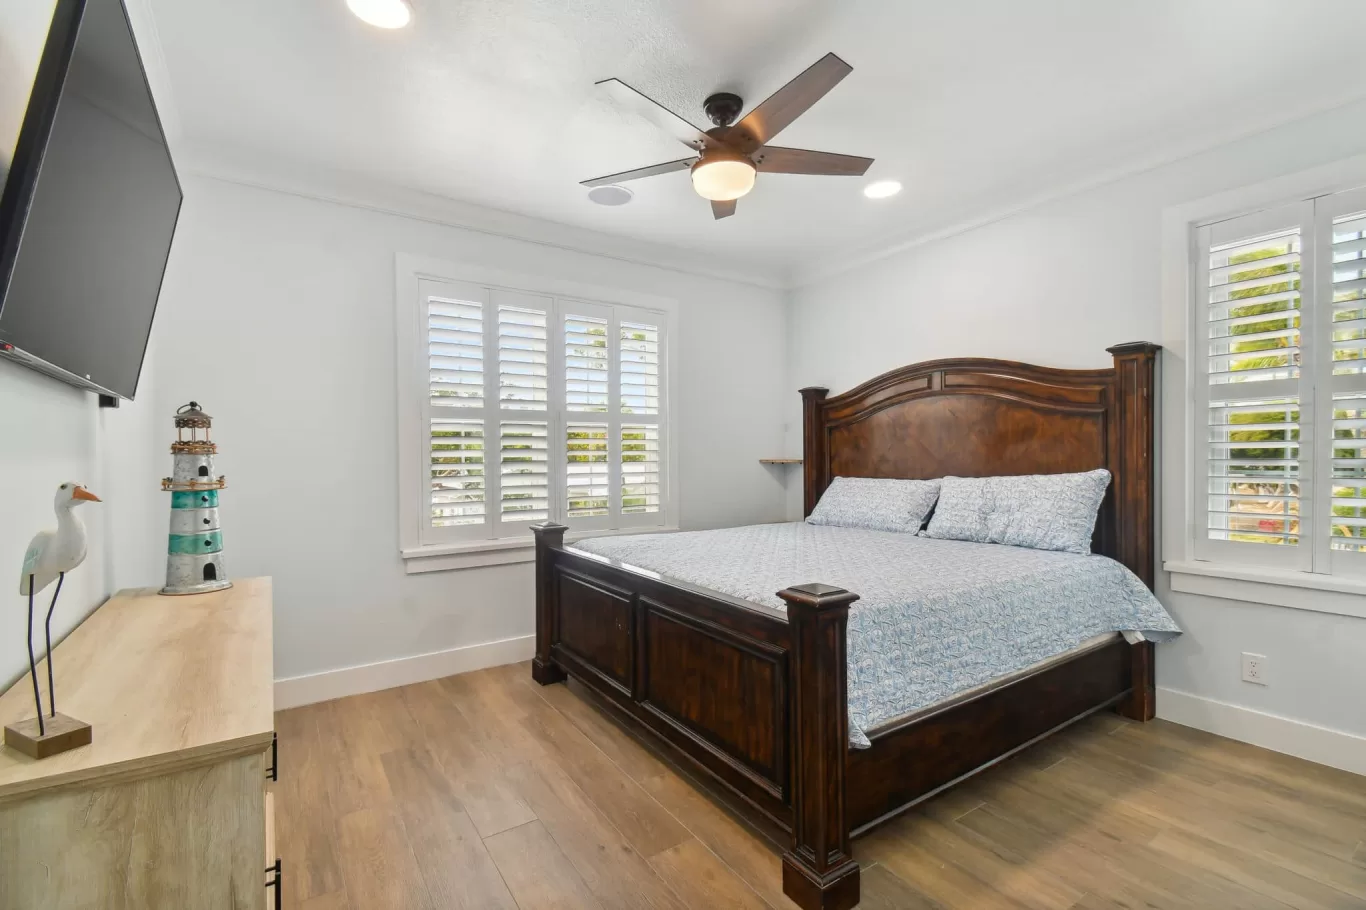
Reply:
x=934, y=618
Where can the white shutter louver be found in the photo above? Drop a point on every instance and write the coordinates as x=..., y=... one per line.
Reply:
x=1348, y=459
x=639, y=369
x=587, y=482
x=455, y=342
x=1253, y=370
x=639, y=469
x=457, y=466
x=524, y=471
x=586, y=363
x=523, y=371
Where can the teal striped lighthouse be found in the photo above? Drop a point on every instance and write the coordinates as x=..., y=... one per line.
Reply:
x=194, y=555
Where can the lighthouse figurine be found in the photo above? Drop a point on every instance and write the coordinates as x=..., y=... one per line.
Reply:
x=194, y=560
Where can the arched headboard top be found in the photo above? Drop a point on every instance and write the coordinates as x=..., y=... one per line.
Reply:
x=976, y=417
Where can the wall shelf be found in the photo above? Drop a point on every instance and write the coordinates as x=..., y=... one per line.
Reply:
x=780, y=461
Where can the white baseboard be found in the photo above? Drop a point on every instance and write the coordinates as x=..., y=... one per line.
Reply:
x=1325, y=746
x=330, y=684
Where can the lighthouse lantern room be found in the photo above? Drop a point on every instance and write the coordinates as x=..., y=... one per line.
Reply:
x=194, y=560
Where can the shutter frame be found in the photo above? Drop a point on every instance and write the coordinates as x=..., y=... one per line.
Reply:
x=1214, y=456
x=464, y=417
x=520, y=404
x=1333, y=555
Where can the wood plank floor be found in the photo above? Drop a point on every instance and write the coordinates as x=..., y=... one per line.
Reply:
x=487, y=791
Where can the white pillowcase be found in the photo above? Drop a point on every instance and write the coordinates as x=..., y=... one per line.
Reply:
x=875, y=503
x=1041, y=511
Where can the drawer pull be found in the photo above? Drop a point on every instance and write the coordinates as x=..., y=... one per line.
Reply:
x=274, y=882
x=273, y=772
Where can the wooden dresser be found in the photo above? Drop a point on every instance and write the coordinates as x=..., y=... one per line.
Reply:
x=169, y=807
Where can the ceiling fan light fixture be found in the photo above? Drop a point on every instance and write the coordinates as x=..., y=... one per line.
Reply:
x=723, y=176
x=382, y=13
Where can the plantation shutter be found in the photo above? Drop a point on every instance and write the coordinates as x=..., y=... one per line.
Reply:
x=640, y=361
x=589, y=441
x=614, y=416
x=523, y=400
x=1255, y=395
x=537, y=408
x=457, y=492
x=1341, y=221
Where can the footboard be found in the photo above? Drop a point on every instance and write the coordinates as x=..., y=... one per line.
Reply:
x=750, y=698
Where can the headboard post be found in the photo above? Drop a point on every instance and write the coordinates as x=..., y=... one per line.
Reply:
x=1135, y=392
x=815, y=465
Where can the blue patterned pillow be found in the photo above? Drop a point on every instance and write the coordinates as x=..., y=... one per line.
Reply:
x=1042, y=511
x=875, y=503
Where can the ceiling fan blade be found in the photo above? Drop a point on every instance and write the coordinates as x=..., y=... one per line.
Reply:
x=774, y=159
x=631, y=100
x=667, y=167
x=789, y=102
x=721, y=210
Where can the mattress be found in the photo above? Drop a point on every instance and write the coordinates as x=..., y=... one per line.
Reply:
x=936, y=618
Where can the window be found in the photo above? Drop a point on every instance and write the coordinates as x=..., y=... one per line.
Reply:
x=535, y=406
x=1280, y=394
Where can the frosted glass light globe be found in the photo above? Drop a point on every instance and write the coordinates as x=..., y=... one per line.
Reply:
x=723, y=178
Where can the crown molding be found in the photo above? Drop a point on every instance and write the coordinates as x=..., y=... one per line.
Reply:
x=350, y=190
x=340, y=188
x=840, y=263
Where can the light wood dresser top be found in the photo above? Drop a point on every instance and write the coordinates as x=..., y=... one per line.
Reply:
x=166, y=682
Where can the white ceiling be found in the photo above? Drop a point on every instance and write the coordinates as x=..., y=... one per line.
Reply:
x=973, y=104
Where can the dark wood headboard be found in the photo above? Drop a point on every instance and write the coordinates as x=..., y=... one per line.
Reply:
x=973, y=417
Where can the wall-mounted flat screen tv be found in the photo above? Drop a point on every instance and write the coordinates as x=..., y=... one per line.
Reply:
x=89, y=205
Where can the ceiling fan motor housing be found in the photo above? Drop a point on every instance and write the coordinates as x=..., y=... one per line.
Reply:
x=723, y=108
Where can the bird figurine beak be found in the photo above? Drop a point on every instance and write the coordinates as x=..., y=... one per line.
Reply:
x=83, y=493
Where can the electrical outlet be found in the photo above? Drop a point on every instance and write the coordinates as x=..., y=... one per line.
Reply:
x=1254, y=668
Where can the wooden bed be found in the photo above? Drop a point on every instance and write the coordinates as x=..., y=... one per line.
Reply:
x=754, y=702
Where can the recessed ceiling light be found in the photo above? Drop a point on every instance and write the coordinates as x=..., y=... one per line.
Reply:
x=882, y=189
x=382, y=13
x=610, y=195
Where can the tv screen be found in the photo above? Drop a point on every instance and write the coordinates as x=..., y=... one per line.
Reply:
x=89, y=207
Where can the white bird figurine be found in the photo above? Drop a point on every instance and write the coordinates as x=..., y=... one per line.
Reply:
x=54, y=553
x=51, y=554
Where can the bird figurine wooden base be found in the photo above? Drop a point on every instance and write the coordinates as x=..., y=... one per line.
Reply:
x=62, y=735
x=50, y=555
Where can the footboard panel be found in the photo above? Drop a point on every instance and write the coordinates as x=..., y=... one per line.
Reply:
x=707, y=676
x=909, y=763
x=723, y=688
x=597, y=626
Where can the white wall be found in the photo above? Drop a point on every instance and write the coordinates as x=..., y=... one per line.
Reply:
x=1056, y=285
x=55, y=433
x=278, y=317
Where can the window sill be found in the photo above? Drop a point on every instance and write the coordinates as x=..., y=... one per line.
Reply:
x=1277, y=587
x=504, y=551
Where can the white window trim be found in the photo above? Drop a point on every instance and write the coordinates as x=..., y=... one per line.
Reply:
x=412, y=370
x=1178, y=431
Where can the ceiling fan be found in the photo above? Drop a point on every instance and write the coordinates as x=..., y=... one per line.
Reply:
x=731, y=153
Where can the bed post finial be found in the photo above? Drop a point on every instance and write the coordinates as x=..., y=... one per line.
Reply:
x=815, y=463
x=818, y=872
x=549, y=538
